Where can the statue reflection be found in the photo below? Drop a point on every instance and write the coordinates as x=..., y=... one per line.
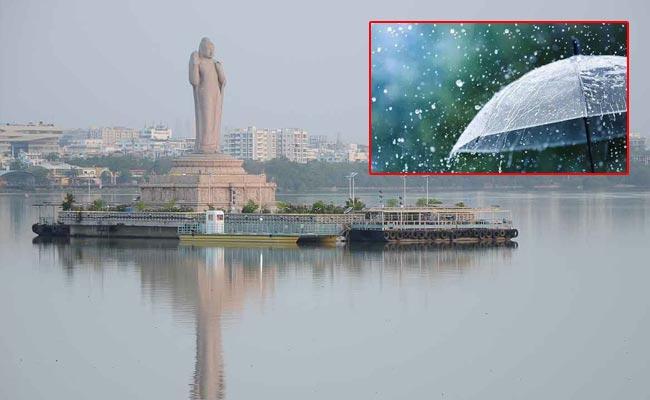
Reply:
x=208, y=286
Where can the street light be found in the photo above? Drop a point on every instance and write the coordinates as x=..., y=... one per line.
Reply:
x=351, y=186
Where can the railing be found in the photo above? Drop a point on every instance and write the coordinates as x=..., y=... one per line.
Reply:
x=265, y=224
x=170, y=219
x=435, y=220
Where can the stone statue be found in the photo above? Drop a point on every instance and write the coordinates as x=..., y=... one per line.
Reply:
x=208, y=81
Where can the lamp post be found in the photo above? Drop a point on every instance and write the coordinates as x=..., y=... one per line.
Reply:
x=351, y=186
x=427, y=190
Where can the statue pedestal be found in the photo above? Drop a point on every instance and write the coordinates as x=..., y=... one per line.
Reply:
x=199, y=181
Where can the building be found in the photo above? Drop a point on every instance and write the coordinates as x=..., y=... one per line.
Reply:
x=110, y=136
x=250, y=144
x=157, y=133
x=638, y=150
x=292, y=144
x=239, y=143
x=30, y=138
x=318, y=141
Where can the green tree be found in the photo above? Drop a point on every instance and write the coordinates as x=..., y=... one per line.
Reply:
x=250, y=207
x=356, y=205
x=106, y=178
x=124, y=177
x=97, y=205
x=460, y=204
x=392, y=203
x=41, y=175
x=140, y=206
x=17, y=165
x=422, y=202
x=68, y=202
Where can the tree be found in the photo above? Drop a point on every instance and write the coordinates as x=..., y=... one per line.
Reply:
x=41, y=175
x=17, y=165
x=140, y=206
x=125, y=177
x=422, y=202
x=356, y=205
x=52, y=157
x=97, y=205
x=68, y=202
x=392, y=203
x=460, y=204
x=250, y=207
x=106, y=178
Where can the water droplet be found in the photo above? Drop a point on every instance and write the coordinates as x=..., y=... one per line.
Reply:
x=477, y=107
x=378, y=49
x=374, y=99
x=459, y=83
x=433, y=106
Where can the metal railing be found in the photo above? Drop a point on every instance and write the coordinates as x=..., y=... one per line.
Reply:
x=434, y=219
x=170, y=219
x=266, y=224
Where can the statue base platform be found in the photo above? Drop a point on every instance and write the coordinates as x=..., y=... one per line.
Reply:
x=201, y=181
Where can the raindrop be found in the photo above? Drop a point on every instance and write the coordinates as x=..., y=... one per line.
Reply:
x=477, y=107
x=374, y=99
x=433, y=106
x=459, y=83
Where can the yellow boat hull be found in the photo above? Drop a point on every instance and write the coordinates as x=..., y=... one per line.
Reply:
x=240, y=239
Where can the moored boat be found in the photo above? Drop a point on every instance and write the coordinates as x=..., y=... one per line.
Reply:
x=433, y=224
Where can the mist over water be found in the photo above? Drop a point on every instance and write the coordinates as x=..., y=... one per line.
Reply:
x=565, y=314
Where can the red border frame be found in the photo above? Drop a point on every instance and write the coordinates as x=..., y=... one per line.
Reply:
x=370, y=172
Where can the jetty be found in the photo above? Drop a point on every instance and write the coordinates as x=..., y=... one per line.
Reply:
x=386, y=224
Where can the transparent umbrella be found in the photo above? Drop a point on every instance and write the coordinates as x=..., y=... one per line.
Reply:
x=581, y=99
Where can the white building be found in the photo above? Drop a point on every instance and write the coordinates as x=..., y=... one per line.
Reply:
x=292, y=144
x=158, y=133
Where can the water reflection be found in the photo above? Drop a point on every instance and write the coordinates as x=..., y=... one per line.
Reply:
x=210, y=285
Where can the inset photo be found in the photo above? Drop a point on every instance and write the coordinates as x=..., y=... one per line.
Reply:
x=499, y=97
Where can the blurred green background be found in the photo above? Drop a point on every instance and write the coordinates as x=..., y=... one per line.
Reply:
x=429, y=81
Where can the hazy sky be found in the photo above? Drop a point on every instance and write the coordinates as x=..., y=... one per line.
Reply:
x=289, y=63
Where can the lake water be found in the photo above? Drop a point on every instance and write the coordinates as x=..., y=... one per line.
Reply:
x=565, y=314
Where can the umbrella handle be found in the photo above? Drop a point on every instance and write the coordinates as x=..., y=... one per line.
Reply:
x=589, y=151
x=576, y=52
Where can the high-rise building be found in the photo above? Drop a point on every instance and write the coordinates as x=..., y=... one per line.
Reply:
x=250, y=143
x=239, y=143
x=292, y=144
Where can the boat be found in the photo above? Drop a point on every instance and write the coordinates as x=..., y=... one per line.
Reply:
x=275, y=229
x=433, y=224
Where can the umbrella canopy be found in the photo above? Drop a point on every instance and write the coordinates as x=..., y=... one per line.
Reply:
x=551, y=106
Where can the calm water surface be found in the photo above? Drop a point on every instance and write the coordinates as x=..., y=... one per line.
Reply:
x=566, y=314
